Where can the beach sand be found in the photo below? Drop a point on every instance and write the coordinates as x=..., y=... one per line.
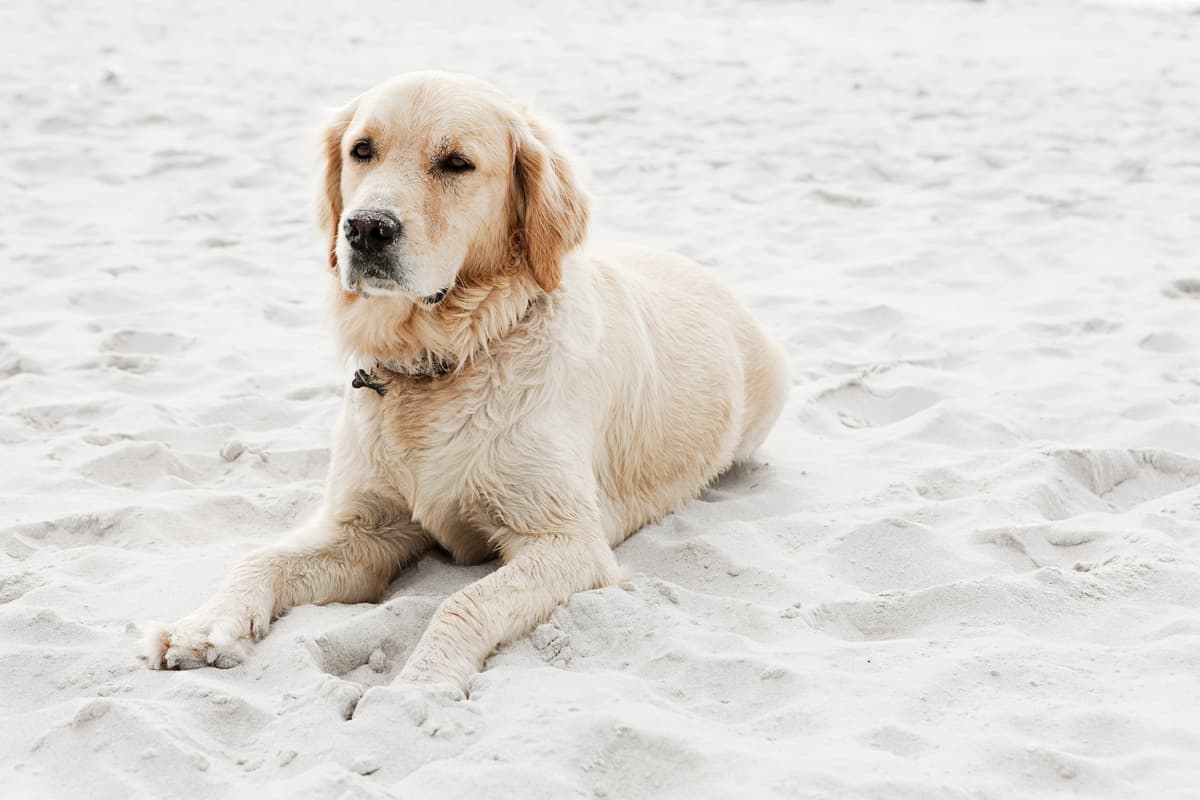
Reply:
x=966, y=563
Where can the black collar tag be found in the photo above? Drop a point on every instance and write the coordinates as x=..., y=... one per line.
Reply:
x=363, y=378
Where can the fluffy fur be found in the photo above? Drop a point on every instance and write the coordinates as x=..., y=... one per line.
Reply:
x=594, y=390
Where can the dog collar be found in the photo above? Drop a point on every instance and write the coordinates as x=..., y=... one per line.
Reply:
x=427, y=365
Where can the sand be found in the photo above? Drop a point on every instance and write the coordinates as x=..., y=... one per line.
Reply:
x=965, y=565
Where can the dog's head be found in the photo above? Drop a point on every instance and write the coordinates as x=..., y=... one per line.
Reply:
x=431, y=178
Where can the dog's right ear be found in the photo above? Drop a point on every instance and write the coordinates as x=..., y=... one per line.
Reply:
x=329, y=178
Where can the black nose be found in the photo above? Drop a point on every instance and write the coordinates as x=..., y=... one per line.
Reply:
x=372, y=230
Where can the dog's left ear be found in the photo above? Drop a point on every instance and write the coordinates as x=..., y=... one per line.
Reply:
x=554, y=211
x=329, y=178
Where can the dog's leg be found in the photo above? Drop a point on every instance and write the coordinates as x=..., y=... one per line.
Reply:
x=540, y=573
x=343, y=558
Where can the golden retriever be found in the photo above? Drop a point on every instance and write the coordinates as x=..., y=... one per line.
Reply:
x=517, y=395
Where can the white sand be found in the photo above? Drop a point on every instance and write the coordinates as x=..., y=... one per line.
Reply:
x=968, y=566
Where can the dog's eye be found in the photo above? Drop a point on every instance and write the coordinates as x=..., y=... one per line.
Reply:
x=455, y=163
x=362, y=150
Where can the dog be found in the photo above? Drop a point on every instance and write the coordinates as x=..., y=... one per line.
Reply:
x=517, y=394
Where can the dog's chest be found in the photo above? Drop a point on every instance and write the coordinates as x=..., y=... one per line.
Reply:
x=430, y=443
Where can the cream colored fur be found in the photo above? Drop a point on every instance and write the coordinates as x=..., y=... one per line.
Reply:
x=596, y=390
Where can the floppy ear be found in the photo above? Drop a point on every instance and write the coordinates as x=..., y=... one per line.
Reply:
x=554, y=214
x=329, y=179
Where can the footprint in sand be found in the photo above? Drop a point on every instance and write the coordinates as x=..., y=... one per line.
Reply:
x=135, y=364
x=1164, y=342
x=108, y=528
x=859, y=406
x=146, y=343
x=1183, y=289
x=141, y=465
x=1048, y=545
x=1124, y=479
x=894, y=554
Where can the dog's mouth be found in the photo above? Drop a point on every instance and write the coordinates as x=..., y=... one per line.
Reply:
x=372, y=281
x=386, y=275
x=372, y=286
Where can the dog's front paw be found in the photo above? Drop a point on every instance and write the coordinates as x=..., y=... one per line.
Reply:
x=438, y=674
x=208, y=637
x=450, y=687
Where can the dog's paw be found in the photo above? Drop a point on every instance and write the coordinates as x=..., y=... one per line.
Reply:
x=203, y=639
x=444, y=686
x=436, y=678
